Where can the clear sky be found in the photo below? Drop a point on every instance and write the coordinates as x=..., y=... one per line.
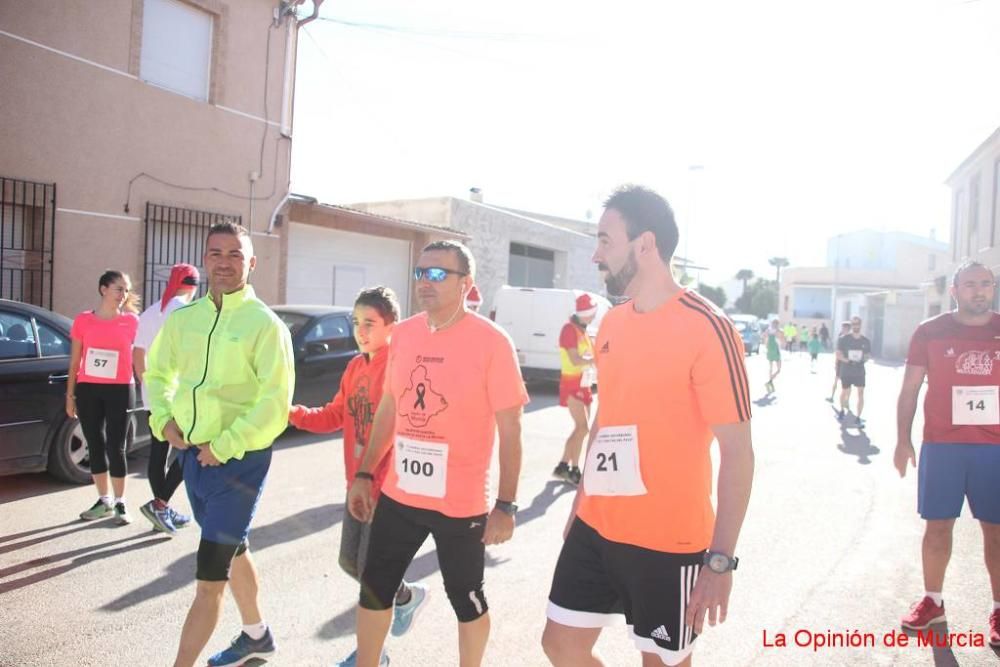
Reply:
x=808, y=118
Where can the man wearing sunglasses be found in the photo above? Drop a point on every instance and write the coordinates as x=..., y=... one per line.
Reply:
x=451, y=384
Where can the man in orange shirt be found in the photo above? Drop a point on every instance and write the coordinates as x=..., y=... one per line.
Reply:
x=576, y=354
x=451, y=385
x=642, y=540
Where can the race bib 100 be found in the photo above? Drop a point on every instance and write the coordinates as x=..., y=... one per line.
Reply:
x=422, y=467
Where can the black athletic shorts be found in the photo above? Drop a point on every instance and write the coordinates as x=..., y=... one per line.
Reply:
x=851, y=376
x=397, y=533
x=597, y=581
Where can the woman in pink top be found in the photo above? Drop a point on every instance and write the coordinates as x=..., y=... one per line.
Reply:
x=101, y=388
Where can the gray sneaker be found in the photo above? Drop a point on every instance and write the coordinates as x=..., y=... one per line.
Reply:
x=159, y=518
x=100, y=510
x=121, y=515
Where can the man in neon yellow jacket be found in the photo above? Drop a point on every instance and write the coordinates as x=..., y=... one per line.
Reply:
x=220, y=376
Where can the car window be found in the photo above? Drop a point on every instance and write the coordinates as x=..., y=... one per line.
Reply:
x=329, y=329
x=17, y=336
x=294, y=321
x=53, y=343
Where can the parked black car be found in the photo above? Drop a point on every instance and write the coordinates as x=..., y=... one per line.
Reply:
x=35, y=433
x=323, y=339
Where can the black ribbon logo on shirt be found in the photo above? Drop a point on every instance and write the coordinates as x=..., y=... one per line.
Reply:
x=419, y=403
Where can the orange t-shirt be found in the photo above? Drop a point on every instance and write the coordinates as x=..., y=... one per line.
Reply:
x=448, y=386
x=671, y=374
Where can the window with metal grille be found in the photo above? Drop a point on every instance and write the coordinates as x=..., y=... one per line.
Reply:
x=175, y=235
x=27, y=222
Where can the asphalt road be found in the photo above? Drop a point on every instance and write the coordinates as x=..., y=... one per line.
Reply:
x=831, y=544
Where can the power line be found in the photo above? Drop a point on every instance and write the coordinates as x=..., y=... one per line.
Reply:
x=437, y=32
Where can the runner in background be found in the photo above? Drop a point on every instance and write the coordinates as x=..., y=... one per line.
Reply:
x=163, y=480
x=845, y=328
x=774, y=338
x=100, y=389
x=576, y=353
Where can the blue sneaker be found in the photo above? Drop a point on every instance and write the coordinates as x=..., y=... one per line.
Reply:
x=352, y=659
x=159, y=518
x=404, y=615
x=244, y=648
x=179, y=520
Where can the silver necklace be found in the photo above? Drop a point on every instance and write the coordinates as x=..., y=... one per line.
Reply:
x=437, y=327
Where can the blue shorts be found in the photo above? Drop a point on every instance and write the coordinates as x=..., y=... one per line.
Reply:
x=950, y=473
x=224, y=498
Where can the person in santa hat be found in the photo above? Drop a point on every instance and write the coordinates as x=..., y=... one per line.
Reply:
x=163, y=480
x=473, y=300
x=576, y=352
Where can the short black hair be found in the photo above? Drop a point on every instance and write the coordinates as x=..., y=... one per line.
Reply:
x=646, y=211
x=965, y=266
x=382, y=299
x=466, y=262
x=228, y=227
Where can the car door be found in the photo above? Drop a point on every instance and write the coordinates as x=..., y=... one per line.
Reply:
x=31, y=393
x=328, y=347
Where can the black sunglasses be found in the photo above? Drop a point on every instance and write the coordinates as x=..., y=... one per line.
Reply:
x=434, y=274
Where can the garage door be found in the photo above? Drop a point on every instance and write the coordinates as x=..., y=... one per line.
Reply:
x=329, y=266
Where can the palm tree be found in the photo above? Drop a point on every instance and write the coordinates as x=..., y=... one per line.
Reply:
x=746, y=275
x=778, y=263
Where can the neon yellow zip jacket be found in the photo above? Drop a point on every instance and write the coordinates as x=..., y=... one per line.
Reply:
x=224, y=375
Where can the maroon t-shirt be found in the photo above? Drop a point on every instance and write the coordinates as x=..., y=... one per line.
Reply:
x=963, y=374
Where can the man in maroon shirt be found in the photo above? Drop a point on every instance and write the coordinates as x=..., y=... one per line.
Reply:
x=959, y=353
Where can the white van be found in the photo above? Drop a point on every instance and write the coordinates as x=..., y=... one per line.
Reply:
x=534, y=316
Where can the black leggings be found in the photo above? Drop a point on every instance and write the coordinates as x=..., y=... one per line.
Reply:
x=103, y=412
x=162, y=480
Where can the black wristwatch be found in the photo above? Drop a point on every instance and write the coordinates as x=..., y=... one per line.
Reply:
x=506, y=507
x=364, y=475
x=720, y=563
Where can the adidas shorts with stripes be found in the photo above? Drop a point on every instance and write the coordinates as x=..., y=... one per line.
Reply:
x=597, y=582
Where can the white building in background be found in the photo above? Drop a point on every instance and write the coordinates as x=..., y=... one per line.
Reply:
x=878, y=276
x=511, y=247
x=975, y=220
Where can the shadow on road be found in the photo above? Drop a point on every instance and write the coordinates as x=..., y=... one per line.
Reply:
x=765, y=401
x=935, y=638
x=181, y=572
x=857, y=444
x=426, y=564
x=80, y=557
x=76, y=527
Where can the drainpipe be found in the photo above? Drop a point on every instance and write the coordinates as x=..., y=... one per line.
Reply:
x=277, y=211
x=291, y=38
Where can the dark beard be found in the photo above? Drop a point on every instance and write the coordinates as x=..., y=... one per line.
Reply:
x=618, y=282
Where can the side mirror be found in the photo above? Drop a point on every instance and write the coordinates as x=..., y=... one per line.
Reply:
x=313, y=349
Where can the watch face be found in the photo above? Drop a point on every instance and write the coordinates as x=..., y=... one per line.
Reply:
x=718, y=563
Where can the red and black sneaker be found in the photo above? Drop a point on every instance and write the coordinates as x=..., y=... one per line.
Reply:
x=923, y=614
x=995, y=628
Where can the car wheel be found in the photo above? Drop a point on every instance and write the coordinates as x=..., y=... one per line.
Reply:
x=69, y=457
